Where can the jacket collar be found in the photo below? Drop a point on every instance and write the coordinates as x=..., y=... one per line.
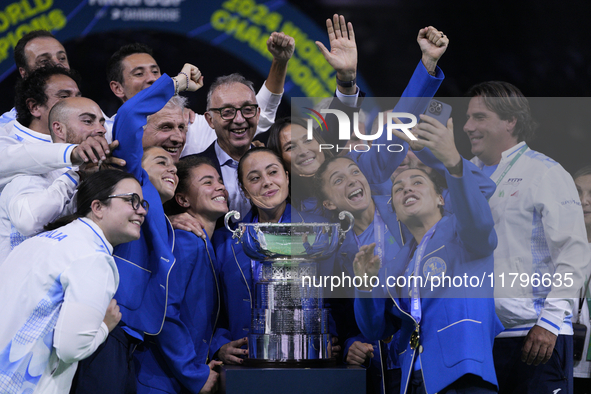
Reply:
x=22, y=133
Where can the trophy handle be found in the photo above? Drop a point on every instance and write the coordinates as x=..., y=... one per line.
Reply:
x=342, y=216
x=233, y=214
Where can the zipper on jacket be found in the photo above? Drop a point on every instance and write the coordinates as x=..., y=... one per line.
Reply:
x=417, y=327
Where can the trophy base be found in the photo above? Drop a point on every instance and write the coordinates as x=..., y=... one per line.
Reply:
x=289, y=347
x=259, y=363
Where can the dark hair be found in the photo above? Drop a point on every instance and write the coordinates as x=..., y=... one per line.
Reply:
x=33, y=87
x=19, y=50
x=250, y=152
x=437, y=179
x=114, y=65
x=508, y=103
x=319, y=182
x=241, y=167
x=97, y=186
x=147, y=149
x=184, y=167
x=274, y=142
x=582, y=172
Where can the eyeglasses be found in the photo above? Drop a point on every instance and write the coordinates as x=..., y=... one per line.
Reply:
x=134, y=199
x=229, y=113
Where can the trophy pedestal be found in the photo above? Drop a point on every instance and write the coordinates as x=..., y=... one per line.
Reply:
x=294, y=380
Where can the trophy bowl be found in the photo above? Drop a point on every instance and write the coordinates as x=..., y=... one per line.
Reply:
x=289, y=324
x=289, y=241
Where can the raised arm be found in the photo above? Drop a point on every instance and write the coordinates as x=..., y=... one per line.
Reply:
x=31, y=204
x=31, y=159
x=439, y=137
x=421, y=88
x=281, y=47
x=129, y=124
x=342, y=55
x=131, y=118
x=467, y=187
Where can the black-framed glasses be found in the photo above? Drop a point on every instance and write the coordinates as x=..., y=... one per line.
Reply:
x=134, y=199
x=229, y=113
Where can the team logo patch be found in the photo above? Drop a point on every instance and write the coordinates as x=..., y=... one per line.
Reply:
x=435, y=266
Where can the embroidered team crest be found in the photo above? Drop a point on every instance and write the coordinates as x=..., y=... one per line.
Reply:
x=435, y=266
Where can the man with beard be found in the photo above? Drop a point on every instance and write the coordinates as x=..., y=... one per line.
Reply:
x=29, y=202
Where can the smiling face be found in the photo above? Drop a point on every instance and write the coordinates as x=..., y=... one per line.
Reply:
x=160, y=167
x=119, y=221
x=140, y=71
x=301, y=155
x=167, y=128
x=414, y=197
x=265, y=180
x=489, y=135
x=234, y=136
x=584, y=188
x=345, y=187
x=206, y=195
x=82, y=119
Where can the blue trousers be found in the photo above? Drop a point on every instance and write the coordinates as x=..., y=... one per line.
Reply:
x=515, y=376
x=110, y=369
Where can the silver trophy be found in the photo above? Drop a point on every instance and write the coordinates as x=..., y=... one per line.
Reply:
x=289, y=324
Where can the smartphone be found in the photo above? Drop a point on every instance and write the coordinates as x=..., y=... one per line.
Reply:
x=438, y=110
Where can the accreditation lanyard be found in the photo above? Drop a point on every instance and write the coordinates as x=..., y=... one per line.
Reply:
x=379, y=228
x=415, y=303
x=517, y=156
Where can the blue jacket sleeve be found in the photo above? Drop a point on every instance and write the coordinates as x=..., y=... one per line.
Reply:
x=474, y=221
x=175, y=341
x=377, y=166
x=131, y=118
x=486, y=186
x=153, y=251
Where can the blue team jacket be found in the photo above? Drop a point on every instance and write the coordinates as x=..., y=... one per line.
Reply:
x=176, y=360
x=399, y=233
x=456, y=334
x=144, y=265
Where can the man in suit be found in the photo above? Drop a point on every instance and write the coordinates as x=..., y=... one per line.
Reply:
x=233, y=112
